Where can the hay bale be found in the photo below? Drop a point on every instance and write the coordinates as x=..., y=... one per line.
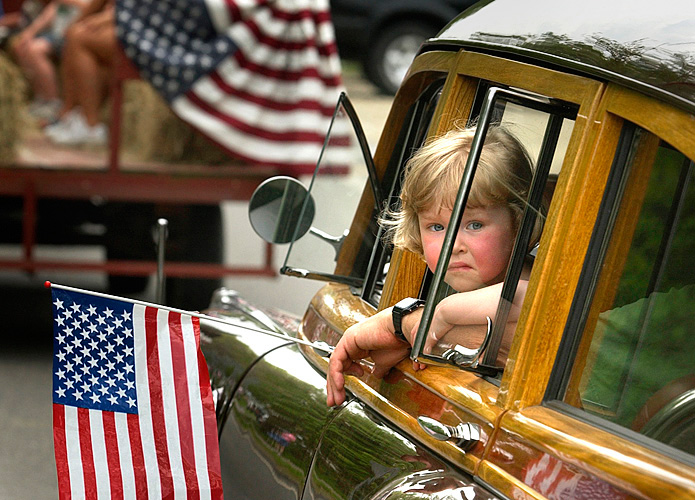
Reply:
x=151, y=130
x=12, y=108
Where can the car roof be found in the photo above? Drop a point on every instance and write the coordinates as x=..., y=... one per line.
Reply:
x=646, y=45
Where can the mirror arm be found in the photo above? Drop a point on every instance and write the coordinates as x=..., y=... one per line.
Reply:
x=335, y=241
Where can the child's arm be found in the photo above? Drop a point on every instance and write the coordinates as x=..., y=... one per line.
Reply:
x=373, y=337
x=469, y=308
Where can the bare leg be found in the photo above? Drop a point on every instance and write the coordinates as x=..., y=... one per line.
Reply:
x=91, y=47
x=35, y=59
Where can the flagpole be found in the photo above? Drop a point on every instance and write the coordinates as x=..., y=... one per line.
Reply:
x=318, y=346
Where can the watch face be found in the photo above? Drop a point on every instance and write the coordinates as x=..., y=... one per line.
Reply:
x=408, y=304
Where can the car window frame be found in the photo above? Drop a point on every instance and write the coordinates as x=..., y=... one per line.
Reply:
x=557, y=111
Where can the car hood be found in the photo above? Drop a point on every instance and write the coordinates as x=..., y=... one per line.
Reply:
x=234, y=336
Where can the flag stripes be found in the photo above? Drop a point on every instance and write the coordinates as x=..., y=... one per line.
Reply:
x=258, y=78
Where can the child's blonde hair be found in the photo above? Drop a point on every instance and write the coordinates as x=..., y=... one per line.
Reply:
x=433, y=175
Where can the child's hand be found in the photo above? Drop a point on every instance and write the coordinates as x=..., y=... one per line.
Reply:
x=441, y=324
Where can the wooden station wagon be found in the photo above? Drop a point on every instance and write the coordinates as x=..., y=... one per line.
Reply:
x=597, y=397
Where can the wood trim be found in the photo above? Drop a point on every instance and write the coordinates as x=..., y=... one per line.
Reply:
x=669, y=123
x=630, y=467
x=563, y=245
x=570, y=88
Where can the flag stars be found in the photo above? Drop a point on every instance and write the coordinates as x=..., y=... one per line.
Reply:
x=94, y=362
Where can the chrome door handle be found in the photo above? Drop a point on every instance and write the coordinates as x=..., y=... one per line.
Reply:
x=465, y=435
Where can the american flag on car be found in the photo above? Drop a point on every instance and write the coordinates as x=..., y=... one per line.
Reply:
x=133, y=414
x=258, y=77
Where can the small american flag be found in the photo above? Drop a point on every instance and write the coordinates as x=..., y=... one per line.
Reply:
x=258, y=77
x=133, y=414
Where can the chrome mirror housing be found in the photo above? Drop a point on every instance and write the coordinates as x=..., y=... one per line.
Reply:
x=281, y=210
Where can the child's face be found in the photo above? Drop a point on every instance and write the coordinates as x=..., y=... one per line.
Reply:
x=482, y=248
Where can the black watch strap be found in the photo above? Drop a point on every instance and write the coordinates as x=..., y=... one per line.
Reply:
x=403, y=307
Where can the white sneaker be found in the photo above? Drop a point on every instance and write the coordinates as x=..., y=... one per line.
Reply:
x=80, y=134
x=72, y=119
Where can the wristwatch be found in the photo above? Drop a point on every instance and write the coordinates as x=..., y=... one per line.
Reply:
x=404, y=306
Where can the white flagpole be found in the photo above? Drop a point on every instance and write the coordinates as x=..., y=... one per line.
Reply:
x=322, y=346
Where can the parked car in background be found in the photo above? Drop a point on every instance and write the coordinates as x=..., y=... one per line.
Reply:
x=597, y=395
x=385, y=35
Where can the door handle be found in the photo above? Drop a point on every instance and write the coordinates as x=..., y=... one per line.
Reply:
x=465, y=435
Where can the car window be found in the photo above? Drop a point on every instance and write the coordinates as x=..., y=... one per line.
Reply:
x=345, y=152
x=543, y=127
x=313, y=254
x=630, y=336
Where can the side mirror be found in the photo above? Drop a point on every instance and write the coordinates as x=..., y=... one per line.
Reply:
x=277, y=210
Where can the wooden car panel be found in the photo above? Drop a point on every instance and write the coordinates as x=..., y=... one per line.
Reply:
x=544, y=454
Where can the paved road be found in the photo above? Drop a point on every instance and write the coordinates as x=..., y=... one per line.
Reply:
x=27, y=468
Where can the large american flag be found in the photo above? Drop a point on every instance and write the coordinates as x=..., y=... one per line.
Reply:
x=133, y=414
x=258, y=77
